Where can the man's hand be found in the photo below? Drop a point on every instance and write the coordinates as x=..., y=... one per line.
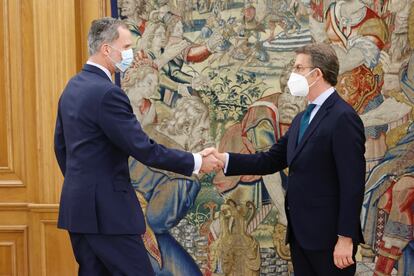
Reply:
x=207, y=151
x=219, y=155
x=343, y=252
x=210, y=161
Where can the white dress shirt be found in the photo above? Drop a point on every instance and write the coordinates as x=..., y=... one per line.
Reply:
x=198, y=160
x=319, y=101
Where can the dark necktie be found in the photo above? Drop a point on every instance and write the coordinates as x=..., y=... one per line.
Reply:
x=304, y=121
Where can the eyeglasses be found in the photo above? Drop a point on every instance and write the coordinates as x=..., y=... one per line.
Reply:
x=300, y=68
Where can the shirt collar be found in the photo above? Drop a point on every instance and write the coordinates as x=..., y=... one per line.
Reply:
x=322, y=97
x=100, y=67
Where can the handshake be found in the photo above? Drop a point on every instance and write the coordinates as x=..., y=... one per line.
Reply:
x=212, y=160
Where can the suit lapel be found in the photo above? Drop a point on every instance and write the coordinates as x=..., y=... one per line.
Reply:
x=320, y=115
x=293, y=136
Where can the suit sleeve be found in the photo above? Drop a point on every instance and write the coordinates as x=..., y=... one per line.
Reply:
x=120, y=125
x=261, y=163
x=349, y=148
x=59, y=141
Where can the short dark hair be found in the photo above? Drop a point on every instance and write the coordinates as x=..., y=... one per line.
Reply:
x=323, y=57
x=103, y=30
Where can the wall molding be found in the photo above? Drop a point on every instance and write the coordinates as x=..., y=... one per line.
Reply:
x=20, y=237
x=13, y=256
x=11, y=183
x=30, y=207
x=12, y=173
x=7, y=87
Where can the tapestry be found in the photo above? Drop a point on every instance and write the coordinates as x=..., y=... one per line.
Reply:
x=214, y=73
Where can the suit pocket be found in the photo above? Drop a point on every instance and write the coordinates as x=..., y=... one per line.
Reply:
x=121, y=185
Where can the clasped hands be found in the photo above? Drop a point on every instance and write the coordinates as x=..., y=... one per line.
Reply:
x=212, y=160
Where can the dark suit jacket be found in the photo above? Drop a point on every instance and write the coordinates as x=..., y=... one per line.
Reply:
x=326, y=174
x=96, y=132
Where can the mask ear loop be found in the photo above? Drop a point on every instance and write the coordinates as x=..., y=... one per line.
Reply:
x=108, y=56
x=113, y=48
x=310, y=85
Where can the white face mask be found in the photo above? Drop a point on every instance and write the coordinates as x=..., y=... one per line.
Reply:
x=126, y=61
x=298, y=84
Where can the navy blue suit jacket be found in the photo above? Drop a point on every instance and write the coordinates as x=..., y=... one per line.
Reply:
x=96, y=131
x=326, y=174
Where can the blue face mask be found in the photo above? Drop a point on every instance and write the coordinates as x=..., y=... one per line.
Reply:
x=126, y=61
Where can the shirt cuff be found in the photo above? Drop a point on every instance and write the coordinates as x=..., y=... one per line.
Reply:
x=198, y=160
x=226, y=163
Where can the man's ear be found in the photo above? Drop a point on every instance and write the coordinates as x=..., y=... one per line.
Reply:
x=318, y=74
x=105, y=49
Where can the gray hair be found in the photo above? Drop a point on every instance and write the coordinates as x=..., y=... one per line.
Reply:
x=103, y=30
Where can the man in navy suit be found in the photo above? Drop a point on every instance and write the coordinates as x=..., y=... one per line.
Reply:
x=324, y=151
x=96, y=131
